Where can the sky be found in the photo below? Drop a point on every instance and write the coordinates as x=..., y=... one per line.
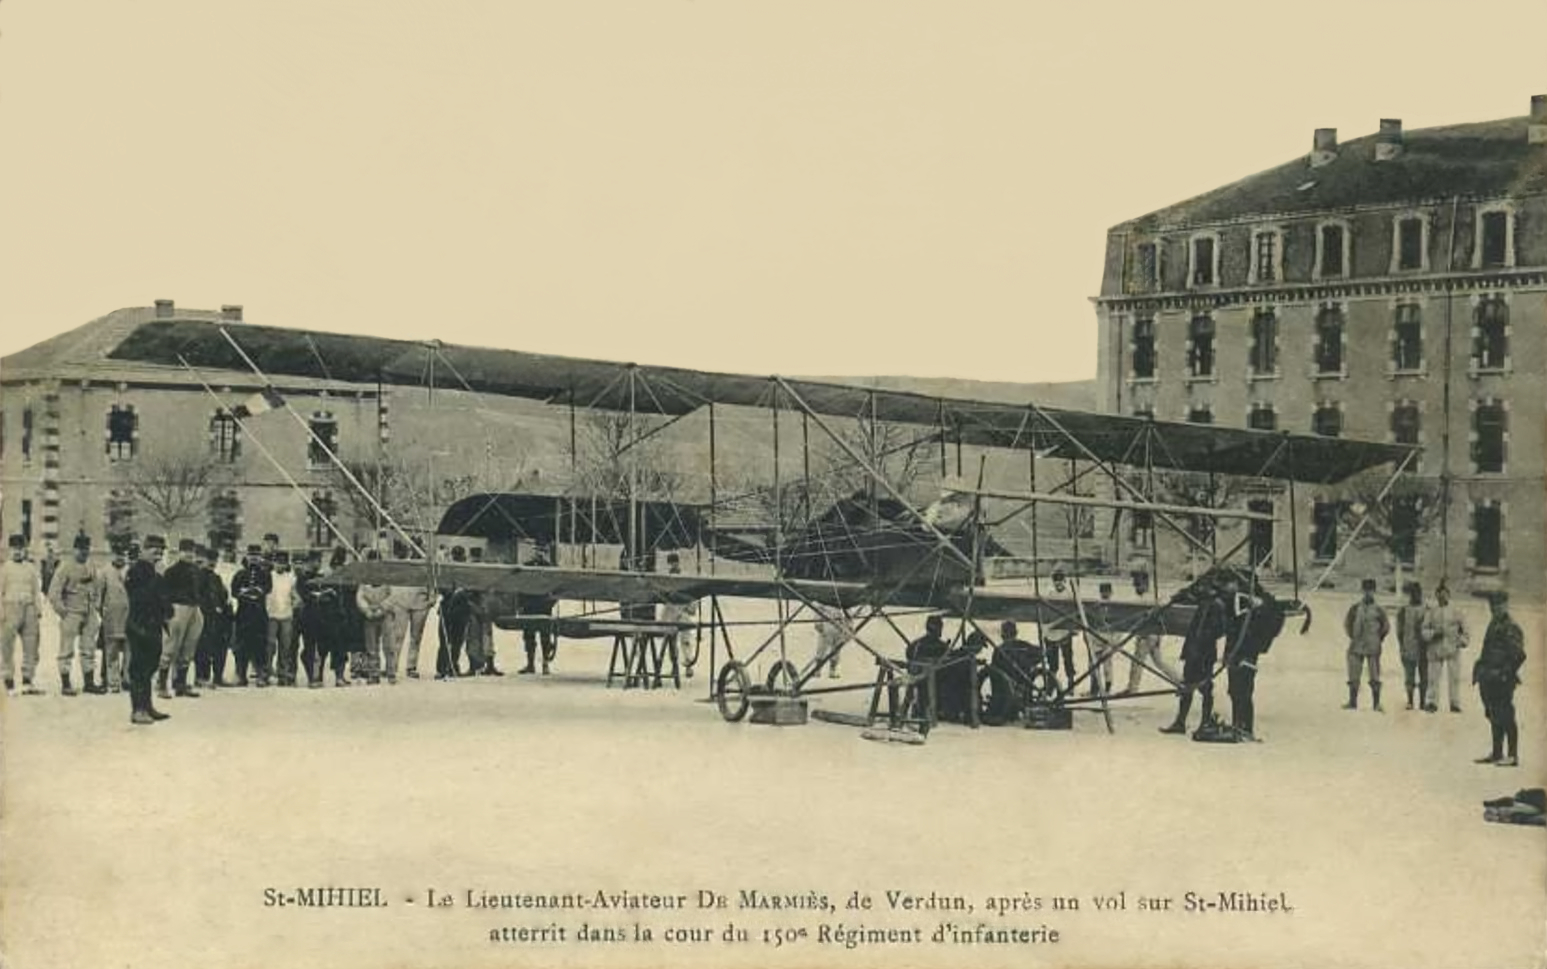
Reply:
x=859, y=187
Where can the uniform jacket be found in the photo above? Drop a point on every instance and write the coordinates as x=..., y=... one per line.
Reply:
x=214, y=601
x=1502, y=655
x=1367, y=627
x=1209, y=622
x=20, y=583
x=1444, y=630
x=1410, y=631
x=76, y=589
x=372, y=600
x=250, y=587
x=184, y=583
x=115, y=604
x=149, y=605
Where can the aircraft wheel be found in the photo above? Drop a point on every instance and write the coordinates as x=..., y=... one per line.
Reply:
x=731, y=692
x=996, y=697
x=783, y=677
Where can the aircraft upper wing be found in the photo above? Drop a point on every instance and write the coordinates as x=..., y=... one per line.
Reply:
x=674, y=391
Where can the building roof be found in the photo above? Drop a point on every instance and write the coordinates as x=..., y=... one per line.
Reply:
x=1481, y=160
x=86, y=353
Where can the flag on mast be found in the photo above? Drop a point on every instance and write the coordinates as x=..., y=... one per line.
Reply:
x=262, y=402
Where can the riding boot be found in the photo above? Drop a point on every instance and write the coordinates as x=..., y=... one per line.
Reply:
x=1512, y=737
x=1409, y=697
x=182, y=687
x=161, y=685
x=1179, y=725
x=91, y=684
x=1375, y=693
x=65, y=688
x=1208, y=708
x=1353, y=697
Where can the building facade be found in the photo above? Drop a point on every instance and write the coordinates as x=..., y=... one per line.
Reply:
x=1392, y=288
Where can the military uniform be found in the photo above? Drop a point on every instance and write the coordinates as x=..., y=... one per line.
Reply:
x=250, y=588
x=185, y=591
x=372, y=603
x=21, y=589
x=1414, y=652
x=115, y=617
x=1445, y=635
x=1497, y=673
x=150, y=610
x=1367, y=627
x=76, y=596
x=215, y=640
x=1200, y=653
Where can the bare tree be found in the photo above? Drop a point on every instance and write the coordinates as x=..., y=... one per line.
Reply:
x=173, y=486
x=1393, y=517
x=416, y=493
x=618, y=454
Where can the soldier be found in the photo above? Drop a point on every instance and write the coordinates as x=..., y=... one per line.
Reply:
x=250, y=587
x=21, y=591
x=76, y=595
x=924, y=655
x=1254, y=633
x=1410, y=642
x=1058, y=636
x=149, y=612
x=280, y=644
x=1444, y=633
x=412, y=606
x=539, y=605
x=215, y=640
x=312, y=619
x=185, y=591
x=115, y=614
x=372, y=603
x=834, y=629
x=480, y=636
x=1497, y=673
x=1200, y=652
x=1146, y=645
x=1366, y=626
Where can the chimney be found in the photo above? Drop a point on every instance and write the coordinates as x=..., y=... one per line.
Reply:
x=1325, y=147
x=1388, y=144
x=1537, y=132
x=164, y=308
x=231, y=313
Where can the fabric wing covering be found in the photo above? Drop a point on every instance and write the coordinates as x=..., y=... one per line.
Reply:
x=673, y=391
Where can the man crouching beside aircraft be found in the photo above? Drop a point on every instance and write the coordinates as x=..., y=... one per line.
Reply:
x=1200, y=651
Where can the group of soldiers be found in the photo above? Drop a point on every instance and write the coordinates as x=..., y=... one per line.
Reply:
x=171, y=628
x=1430, y=640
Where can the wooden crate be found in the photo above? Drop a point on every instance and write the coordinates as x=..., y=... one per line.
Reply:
x=780, y=711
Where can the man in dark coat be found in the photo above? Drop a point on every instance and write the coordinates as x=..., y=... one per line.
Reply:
x=250, y=587
x=1251, y=635
x=1200, y=652
x=1497, y=673
x=149, y=612
x=215, y=639
x=924, y=657
x=538, y=605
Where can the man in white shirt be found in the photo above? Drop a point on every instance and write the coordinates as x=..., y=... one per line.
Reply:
x=281, y=603
x=21, y=590
x=1444, y=635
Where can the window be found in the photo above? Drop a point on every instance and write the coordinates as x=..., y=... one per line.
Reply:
x=26, y=520
x=1149, y=267
x=119, y=509
x=1329, y=340
x=1407, y=343
x=319, y=514
x=323, y=438
x=1490, y=348
x=1200, y=415
x=1260, y=535
x=1331, y=250
x=224, y=529
x=1327, y=421
x=1204, y=270
x=1324, y=530
x=225, y=440
x=1406, y=424
x=26, y=433
x=1404, y=528
x=1267, y=248
x=123, y=432
x=1144, y=349
x=1489, y=426
x=1141, y=523
x=1410, y=245
x=1262, y=418
x=1200, y=346
x=1493, y=240
x=1264, y=353
x=1487, y=536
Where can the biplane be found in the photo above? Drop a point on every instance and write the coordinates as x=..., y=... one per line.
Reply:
x=864, y=561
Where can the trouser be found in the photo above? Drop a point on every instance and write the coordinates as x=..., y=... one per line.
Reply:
x=144, y=660
x=20, y=619
x=1064, y=648
x=210, y=661
x=320, y=649
x=371, y=649
x=1197, y=676
x=77, y=632
x=183, y=632
x=115, y=661
x=1147, y=652
x=281, y=649
x=416, y=621
x=1499, y=706
x=480, y=652
x=1415, y=673
x=1356, y=662
x=394, y=626
x=251, y=639
x=1446, y=669
x=1243, y=704
x=531, y=637
x=453, y=633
